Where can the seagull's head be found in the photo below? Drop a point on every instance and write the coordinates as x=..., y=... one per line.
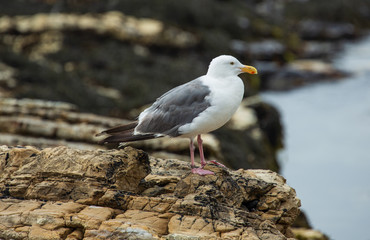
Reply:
x=226, y=66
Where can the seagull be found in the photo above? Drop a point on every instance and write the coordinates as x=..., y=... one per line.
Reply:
x=189, y=110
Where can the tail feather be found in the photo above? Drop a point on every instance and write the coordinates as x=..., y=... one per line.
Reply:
x=118, y=129
x=124, y=133
x=127, y=138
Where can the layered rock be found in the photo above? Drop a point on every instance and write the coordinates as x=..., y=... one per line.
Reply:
x=48, y=123
x=124, y=194
x=114, y=24
x=249, y=140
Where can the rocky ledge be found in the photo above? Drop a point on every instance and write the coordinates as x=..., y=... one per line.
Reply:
x=64, y=193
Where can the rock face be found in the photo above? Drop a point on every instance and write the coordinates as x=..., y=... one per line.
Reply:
x=63, y=193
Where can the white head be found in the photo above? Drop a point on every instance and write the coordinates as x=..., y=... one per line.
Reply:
x=227, y=66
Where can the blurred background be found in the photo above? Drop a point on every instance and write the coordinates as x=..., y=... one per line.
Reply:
x=69, y=69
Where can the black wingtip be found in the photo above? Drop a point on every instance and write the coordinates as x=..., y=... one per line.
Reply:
x=121, y=128
x=124, y=133
x=118, y=129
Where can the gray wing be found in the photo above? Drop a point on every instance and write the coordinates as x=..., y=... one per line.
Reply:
x=175, y=108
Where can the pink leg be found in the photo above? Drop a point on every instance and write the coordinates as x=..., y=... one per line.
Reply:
x=191, y=146
x=201, y=153
x=199, y=171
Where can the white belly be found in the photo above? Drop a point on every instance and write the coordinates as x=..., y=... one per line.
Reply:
x=225, y=98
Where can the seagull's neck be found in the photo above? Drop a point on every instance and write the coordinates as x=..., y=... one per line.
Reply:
x=217, y=72
x=219, y=75
x=222, y=78
x=229, y=83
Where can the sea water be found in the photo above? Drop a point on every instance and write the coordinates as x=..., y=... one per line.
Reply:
x=327, y=153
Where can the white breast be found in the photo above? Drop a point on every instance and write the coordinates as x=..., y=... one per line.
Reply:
x=226, y=95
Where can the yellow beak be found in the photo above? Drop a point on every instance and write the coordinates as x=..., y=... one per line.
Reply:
x=249, y=69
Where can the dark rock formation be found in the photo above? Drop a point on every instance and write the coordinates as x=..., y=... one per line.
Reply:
x=301, y=73
x=319, y=30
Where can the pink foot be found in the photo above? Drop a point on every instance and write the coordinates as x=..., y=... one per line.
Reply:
x=217, y=163
x=201, y=171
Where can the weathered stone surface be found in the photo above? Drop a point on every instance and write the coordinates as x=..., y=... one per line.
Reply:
x=62, y=173
x=119, y=194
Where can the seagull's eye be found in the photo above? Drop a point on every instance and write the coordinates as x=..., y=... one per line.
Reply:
x=231, y=63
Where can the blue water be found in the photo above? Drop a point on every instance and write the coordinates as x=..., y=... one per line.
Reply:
x=327, y=154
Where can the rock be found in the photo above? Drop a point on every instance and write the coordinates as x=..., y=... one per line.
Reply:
x=119, y=194
x=316, y=29
x=309, y=234
x=302, y=72
x=31, y=173
x=302, y=229
x=302, y=221
x=262, y=50
x=114, y=24
x=318, y=67
x=317, y=49
x=48, y=123
x=22, y=140
x=7, y=80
